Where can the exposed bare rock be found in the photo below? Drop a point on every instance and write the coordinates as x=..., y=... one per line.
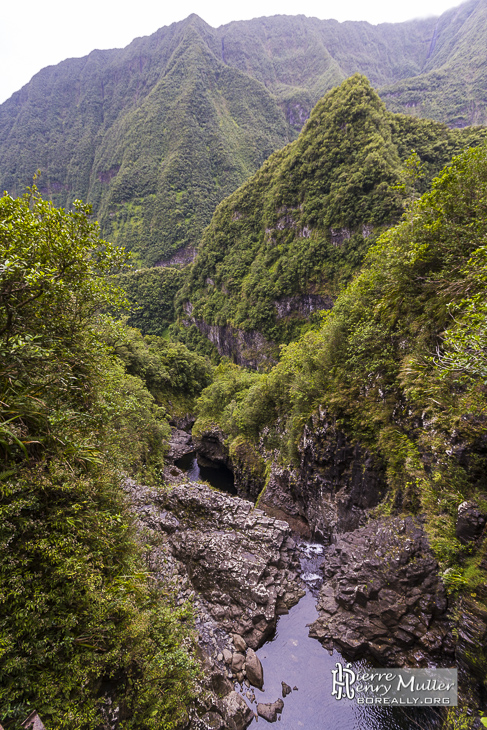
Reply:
x=238, y=567
x=238, y=661
x=382, y=596
x=271, y=710
x=180, y=258
x=240, y=560
x=180, y=443
x=470, y=522
x=302, y=305
x=236, y=711
x=335, y=483
x=211, y=445
x=286, y=689
x=253, y=668
x=248, y=348
x=239, y=643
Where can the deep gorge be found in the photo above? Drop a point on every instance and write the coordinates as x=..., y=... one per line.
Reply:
x=317, y=341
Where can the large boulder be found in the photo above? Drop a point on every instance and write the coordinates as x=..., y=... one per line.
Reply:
x=236, y=711
x=271, y=710
x=253, y=669
x=470, y=522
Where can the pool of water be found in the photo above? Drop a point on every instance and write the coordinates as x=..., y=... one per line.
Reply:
x=293, y=657
x=218, y=476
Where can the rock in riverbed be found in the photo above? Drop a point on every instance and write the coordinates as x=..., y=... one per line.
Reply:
x=270, y=710
x=253, y=667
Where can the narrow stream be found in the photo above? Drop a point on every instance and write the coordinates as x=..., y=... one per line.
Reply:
x=291, y=656
x=217, y=476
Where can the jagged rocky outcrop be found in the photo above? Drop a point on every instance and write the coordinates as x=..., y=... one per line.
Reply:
x=301, y=305
x=329, y=492
x=237, y=566
x=334, y=485
x=249, y=349
x=239, y=559
x=470, y=522
x=382, y=596
x=210, y=444
x=270, y=710
x=180, y=444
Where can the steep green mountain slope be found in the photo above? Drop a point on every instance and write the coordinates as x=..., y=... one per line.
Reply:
x=156, y=134
x=452, y=85
x=131, y=131
x=286, y=242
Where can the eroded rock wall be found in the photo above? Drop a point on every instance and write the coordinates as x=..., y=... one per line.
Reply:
x=334, y=485
x=238, y=568
x=382, y=596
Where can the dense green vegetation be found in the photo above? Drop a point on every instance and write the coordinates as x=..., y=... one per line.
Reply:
x=81, y=624
x=151, y=294
x=398, y=365
x=302, y=225
x=158, y=133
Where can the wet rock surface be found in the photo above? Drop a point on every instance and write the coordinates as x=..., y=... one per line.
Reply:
x=253, y=668
x=382, y=596
x=270, y=710
x=211, y=446
x=336, y=483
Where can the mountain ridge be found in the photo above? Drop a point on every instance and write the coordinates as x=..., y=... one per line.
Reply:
x=284, y=244
x=156, y=134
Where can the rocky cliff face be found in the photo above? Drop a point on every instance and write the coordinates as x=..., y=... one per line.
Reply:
x=329, y=492
x=334, y=485
x=382, y=596
x=247, y=349
x=236, y=566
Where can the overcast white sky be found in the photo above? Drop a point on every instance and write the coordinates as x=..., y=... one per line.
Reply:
x=35, y=34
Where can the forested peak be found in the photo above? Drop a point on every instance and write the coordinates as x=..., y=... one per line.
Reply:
x=348, y=102
x=286, y=242
x=156, y=134
x=344, y=152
